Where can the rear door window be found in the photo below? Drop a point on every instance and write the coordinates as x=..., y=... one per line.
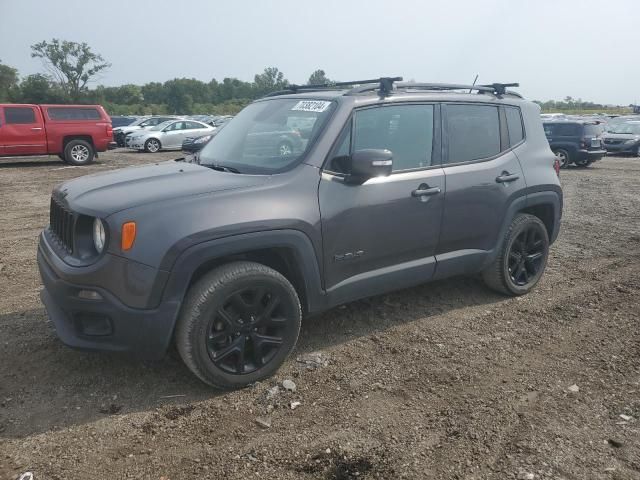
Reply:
x=473, y=132
x=73, y=113
x=19, y=115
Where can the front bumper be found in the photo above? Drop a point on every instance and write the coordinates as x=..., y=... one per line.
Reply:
x=622, y=147
x=135, y=143
x=105, y=323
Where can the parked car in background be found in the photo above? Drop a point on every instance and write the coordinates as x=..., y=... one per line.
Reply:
x=552, y=116
x=575, y=141
x=195, y=144
x=75, y=133
x=120, y=134
x=269, y=139
x=121, y=121
x=623, y=138
x=166, y=136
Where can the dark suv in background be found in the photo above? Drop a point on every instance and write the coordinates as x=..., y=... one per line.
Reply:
x=575, y=141
x=392, y=185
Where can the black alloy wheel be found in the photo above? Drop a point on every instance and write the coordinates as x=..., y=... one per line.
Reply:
x=247, y=331
x=526, y=256
x=238, y=324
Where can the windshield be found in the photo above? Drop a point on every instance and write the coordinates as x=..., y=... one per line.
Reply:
x=629, y=128
x=269, y=136
x=162, y=125
x=137, y=122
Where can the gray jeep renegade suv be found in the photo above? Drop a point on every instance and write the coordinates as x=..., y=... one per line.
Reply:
x=309, y=198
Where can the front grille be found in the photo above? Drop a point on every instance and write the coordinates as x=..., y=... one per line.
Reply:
x=61, y=225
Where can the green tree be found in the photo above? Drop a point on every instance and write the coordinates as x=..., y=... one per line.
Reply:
x=39, y=88
x=8, y=81
x=270, y=80
x=72, y=65
x=318, y=78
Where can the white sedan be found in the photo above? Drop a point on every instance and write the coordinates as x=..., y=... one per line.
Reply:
x=167, y=135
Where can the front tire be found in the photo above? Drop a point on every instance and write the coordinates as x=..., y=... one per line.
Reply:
x=522, y=257
x=238, y=324
x=78, y=152
x=152, y=145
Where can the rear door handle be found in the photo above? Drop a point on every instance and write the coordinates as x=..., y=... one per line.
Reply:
x=36, y=129
x=507, y=177
x=425, y=190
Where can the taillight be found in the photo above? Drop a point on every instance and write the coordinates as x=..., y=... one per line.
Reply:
x=556, y=166
x=109, y=130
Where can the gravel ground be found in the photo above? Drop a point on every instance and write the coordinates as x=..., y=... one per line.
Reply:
x=447, y=380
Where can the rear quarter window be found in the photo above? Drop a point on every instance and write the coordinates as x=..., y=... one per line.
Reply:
x=73, y=113
x=593, y=130
x=563, y=129
x=514, y=125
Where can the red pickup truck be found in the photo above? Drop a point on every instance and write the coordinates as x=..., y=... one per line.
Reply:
x=73, y=132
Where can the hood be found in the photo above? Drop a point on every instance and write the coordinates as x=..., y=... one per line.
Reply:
x=621, y=136
x=145, y=132
x=128, y=129
x=103, y=194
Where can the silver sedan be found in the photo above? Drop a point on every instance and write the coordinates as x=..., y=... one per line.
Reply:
x=167, y=136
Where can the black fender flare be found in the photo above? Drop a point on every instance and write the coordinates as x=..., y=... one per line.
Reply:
x=519, y=204
x=188, y=261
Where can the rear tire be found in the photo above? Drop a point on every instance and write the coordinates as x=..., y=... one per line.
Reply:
x=238, y=324
x=78, y=152
x=522, y=257
x=563, y=156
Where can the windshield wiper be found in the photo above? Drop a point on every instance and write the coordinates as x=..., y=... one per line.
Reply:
x=221, y=168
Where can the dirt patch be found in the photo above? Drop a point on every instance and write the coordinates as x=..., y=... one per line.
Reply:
x=446, y=380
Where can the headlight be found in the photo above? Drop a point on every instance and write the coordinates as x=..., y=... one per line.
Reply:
x=98, y=235
x=202, y=139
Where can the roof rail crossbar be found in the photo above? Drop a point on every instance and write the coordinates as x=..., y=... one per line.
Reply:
x=495, y=88
x=384, y=84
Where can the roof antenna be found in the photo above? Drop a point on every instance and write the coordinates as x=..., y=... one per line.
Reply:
x=474, y=83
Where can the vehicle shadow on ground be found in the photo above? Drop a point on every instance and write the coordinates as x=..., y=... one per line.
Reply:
x=60, y=387
x=31, y=163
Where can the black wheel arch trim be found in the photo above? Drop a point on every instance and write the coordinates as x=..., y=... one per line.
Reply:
x=192, y=258
x=535, y=196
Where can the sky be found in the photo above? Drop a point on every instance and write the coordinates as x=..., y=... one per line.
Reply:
x=554, y=48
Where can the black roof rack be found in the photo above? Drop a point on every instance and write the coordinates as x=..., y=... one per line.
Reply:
x=495, y=88
x=384, y=84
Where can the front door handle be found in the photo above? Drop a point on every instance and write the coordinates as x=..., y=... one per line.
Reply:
x=506, y=177
x=425, y=190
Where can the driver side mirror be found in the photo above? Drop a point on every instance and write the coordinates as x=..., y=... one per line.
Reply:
x=369, y=163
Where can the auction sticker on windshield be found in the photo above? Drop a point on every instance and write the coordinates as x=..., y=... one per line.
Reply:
x=311, y=106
